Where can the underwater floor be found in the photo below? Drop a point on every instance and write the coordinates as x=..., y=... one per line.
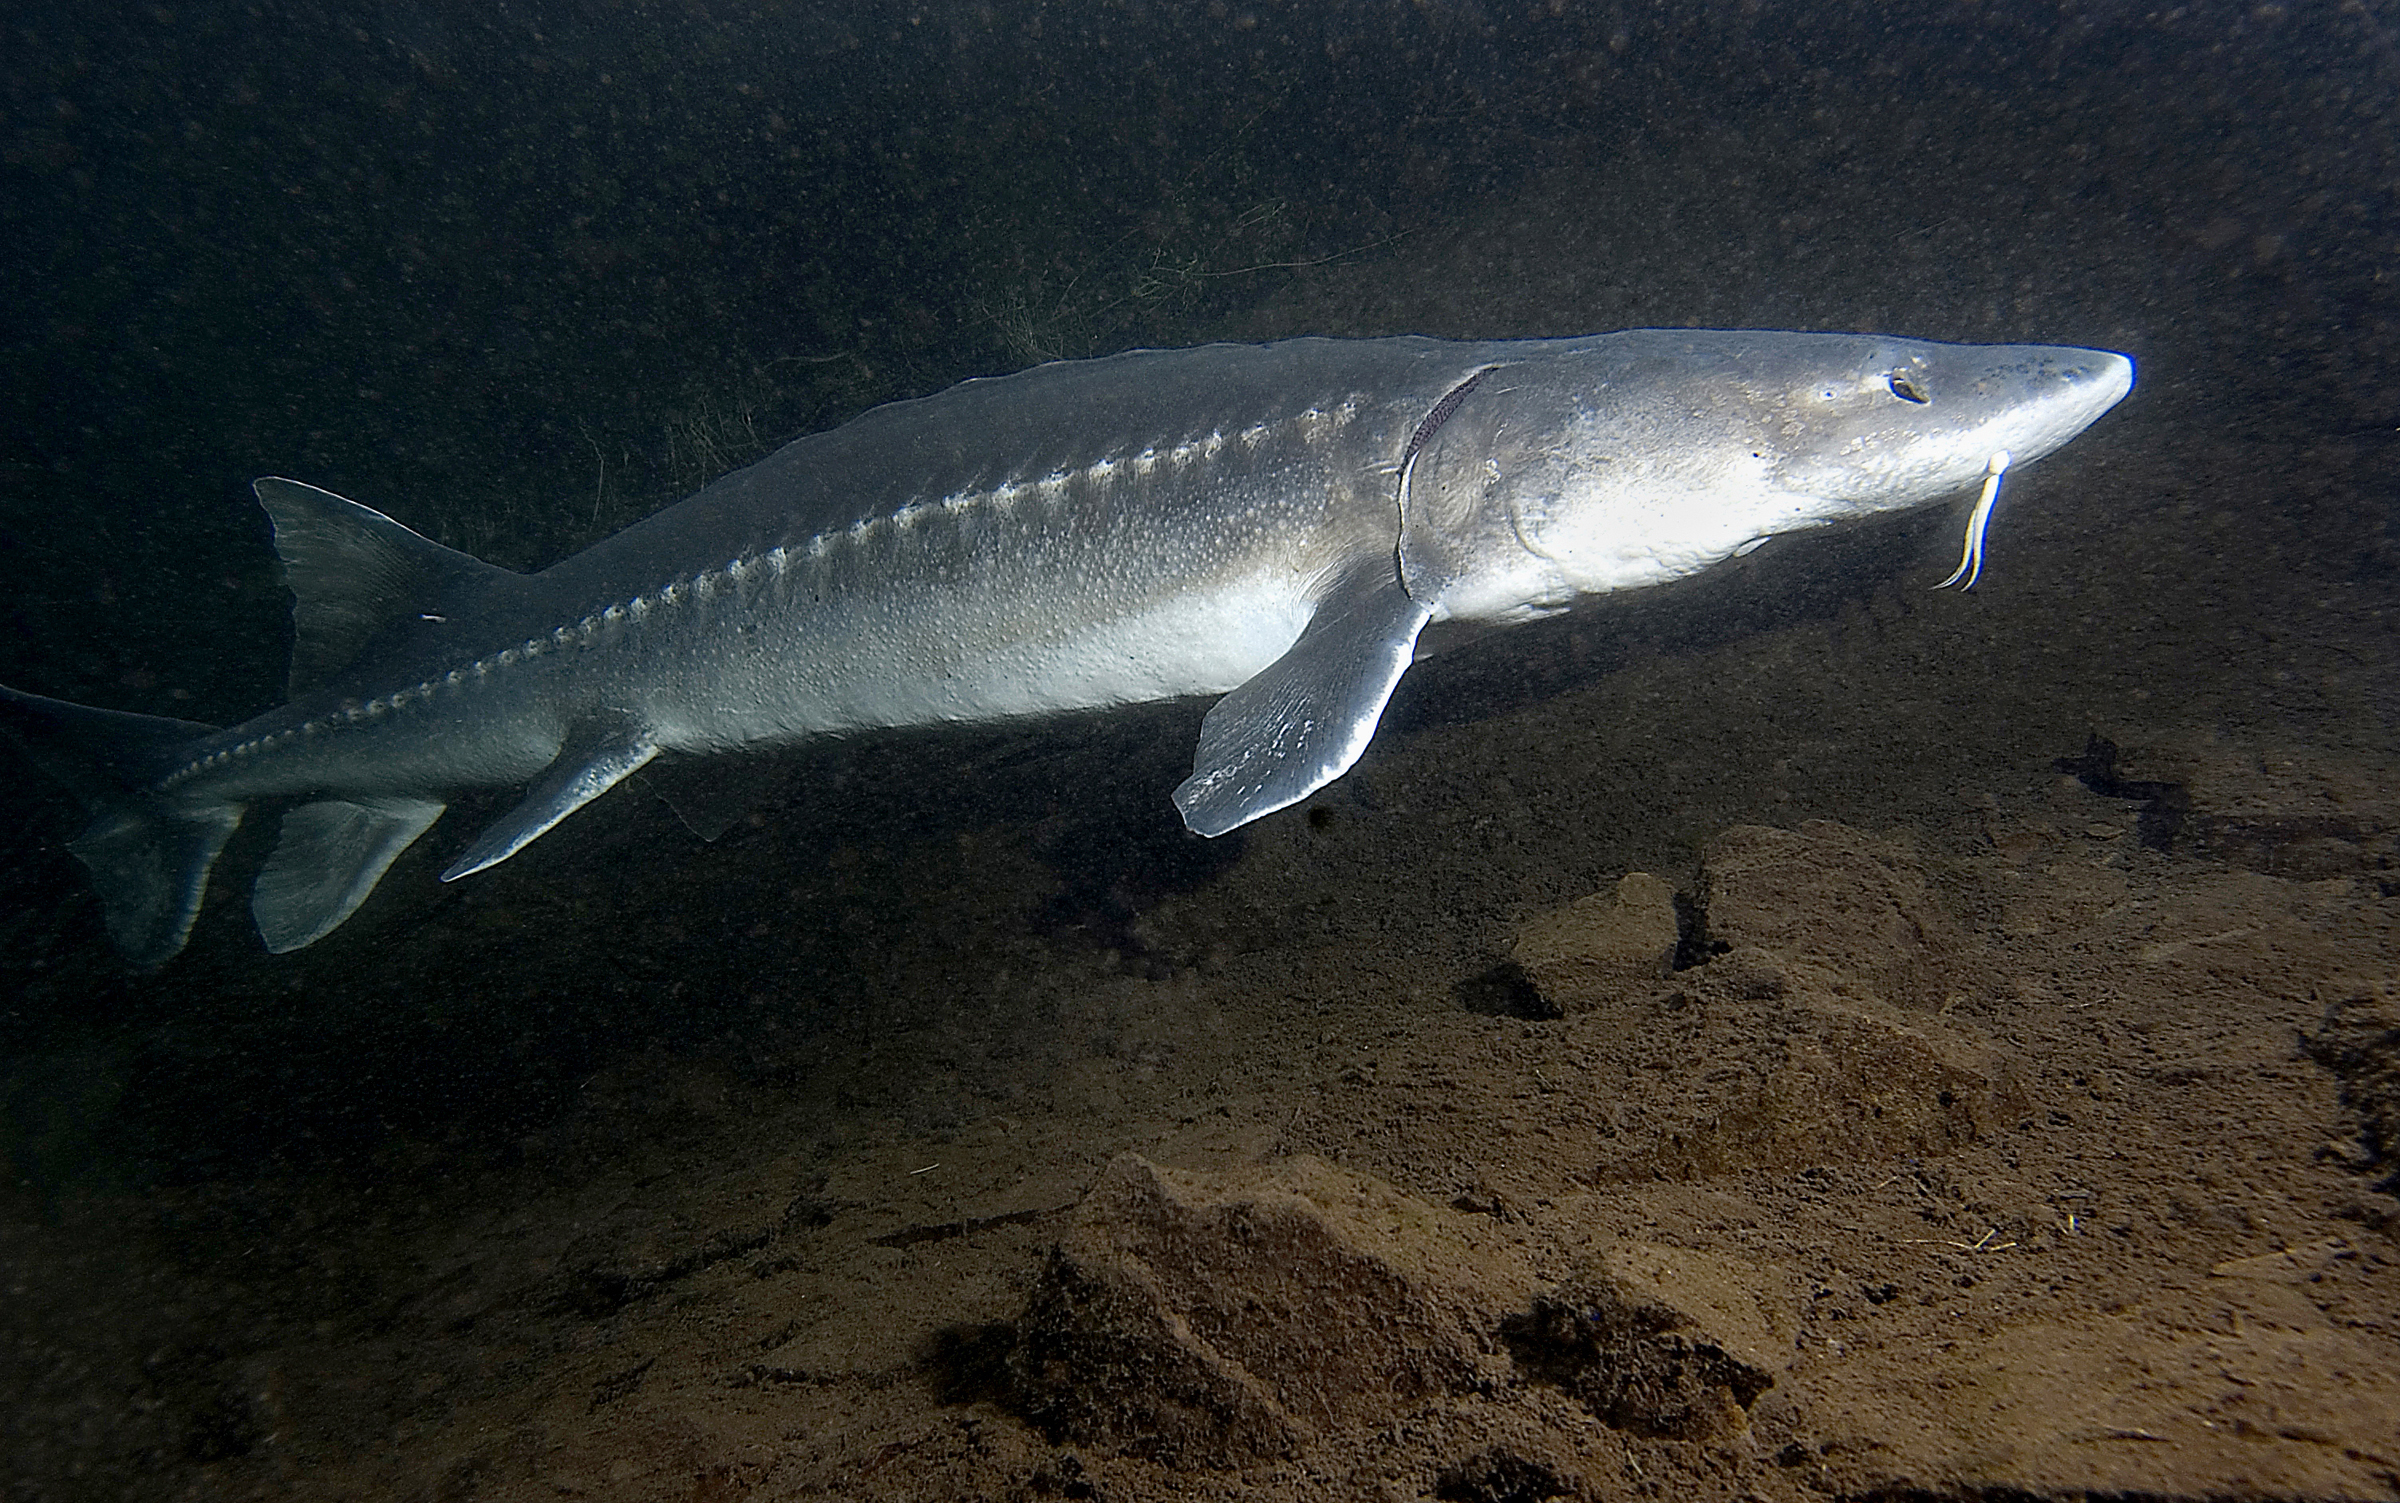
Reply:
x=2016, y=1116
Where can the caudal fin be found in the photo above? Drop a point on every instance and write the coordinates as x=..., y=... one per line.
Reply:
x=148, y=860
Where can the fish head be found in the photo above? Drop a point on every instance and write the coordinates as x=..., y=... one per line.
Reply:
x=1873, y=424
x=1585, y=466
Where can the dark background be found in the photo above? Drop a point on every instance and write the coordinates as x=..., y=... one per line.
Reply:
x=520, y=273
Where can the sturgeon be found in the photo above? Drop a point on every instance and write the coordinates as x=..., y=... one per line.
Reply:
x=1274, y=523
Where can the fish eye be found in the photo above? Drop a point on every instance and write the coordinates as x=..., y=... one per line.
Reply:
x=1905, y=389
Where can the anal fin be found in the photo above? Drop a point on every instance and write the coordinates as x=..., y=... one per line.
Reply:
x=328, y=857
x=1307, y=716
x=594, y=759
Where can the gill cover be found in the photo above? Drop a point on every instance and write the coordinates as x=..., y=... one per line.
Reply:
x=1465, y=541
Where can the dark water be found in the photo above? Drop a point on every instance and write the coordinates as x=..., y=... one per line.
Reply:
x=520, y=273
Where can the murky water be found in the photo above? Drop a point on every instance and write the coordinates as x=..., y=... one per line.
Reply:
x=508, y=1187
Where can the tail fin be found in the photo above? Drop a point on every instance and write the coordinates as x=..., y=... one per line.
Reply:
x=149, y=861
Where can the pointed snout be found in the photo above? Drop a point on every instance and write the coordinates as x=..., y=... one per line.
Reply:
x=2118, y=373
x=2048, y=394
x=2102, y=376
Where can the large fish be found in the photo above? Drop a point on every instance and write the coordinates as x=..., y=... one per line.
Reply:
x=1274, y=523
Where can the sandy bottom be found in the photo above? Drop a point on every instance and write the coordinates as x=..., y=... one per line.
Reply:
x=1969, y=1107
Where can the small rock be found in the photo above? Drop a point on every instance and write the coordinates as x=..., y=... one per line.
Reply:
x=1498, y=1476
x=1857, y=1080
x=1827, y=898
x=1209, y=1319
x=1816, y=1031
x=1662, y=1341
x=1602, y=948
x=1750, y=973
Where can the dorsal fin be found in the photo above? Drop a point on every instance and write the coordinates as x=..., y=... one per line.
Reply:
x=352, y=571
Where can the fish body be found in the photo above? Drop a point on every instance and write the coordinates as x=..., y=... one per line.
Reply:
x=1275, y=523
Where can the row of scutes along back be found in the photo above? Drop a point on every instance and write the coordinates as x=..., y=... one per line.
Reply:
x=777, y=563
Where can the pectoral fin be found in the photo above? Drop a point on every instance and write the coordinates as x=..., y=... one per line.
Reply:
x=1300, y=723
x=594, y=759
